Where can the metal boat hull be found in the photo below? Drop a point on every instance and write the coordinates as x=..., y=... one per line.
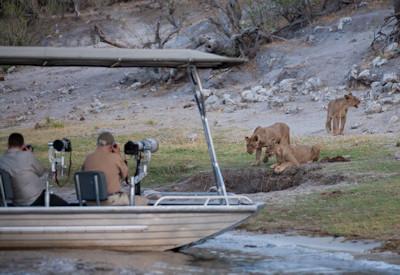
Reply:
x=148, y=228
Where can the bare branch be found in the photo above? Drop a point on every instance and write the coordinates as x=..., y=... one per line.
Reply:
x=104, y=38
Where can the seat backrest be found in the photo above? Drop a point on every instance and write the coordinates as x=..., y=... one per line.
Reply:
x=6, y=192
x=90, y=186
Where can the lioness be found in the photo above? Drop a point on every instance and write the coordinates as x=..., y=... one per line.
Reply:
x=293, y=155
x=337, y=111
x=267, y=137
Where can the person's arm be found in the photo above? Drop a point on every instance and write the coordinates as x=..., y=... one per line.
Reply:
x=37, y=167
x=123, y=168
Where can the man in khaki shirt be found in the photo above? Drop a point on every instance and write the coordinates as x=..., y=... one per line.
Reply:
x=107, y=159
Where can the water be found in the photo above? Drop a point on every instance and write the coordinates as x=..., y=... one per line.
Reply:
x=230, y=253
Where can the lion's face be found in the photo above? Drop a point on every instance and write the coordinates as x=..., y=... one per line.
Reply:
x=252, y=144
x=352, y=100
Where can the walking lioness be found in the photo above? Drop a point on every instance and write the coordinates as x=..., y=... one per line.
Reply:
x=293, y=155
x=267, y=137
x=337, y=112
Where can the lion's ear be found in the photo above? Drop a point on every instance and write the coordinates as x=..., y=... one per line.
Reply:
x=347, y=96
x=256, y=138
x=246, y=138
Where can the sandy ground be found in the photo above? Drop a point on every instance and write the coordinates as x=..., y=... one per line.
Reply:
x=31, y=94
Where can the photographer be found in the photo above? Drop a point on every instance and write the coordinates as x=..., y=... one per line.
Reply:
x=107, y=159
x=26, y=173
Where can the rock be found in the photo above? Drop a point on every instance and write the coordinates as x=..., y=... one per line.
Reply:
x=397, y=155
x=344, y=21
x=249, y=96
x=386, y=100
x=373, y=108
x=188, y=105
x=387, y=88
x=376, y=90
x=96, y=106
x=390, y=77
x=356, y=125
x=393, y=119
x=312, y=84
x=192, y=137
x=136, y=85
x=212, y=101
x=287, y=85
x=228, y=100
x=11, y=69
x=395, y=88
x=365, y=77
x=277, y=102
x=2, y=78
x=378, y=61
x=255, y=89
x=391, y=50
x=319, y=29
x=20, y=118
x=207, y=92
x=293, y=110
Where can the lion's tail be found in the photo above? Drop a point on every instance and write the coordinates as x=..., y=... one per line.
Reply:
x=315, y=150
x=328, y=125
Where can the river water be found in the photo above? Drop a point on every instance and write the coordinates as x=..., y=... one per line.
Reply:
x=230, y=253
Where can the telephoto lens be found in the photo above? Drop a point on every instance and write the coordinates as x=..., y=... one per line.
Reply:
x=62, y=145
x=134, y=147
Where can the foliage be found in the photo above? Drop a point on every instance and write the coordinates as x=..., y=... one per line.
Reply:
x=14, y=24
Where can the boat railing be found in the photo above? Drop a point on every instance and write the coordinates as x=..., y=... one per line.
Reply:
x=225, y=200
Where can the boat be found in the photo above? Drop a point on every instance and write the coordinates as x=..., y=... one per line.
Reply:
x=173, y=220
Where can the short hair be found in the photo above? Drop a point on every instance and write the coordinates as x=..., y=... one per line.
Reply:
x=105, y=138
x=16, y=140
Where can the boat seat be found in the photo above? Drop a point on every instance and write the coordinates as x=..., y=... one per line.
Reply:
x=90, y=186
x=6, y=192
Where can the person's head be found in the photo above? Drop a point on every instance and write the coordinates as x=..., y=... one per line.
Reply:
x=105, y=140
x=16, y=140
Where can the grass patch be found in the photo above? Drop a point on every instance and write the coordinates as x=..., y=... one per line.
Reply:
x=371, y=210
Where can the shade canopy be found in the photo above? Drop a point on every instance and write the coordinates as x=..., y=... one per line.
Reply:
x=113, y=57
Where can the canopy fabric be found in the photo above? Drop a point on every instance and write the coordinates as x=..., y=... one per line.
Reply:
x=113, y=57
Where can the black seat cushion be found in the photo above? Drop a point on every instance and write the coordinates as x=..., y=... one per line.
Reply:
x=87, y=185
x=7, y=184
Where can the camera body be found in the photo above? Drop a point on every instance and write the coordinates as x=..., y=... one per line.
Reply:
x=28, y=147
x=135, y=147
x=62, y=145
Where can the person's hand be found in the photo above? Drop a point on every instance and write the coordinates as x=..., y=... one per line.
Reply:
x=27, y=147
x=115, y=148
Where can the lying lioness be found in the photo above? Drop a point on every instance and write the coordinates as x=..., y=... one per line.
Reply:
x=293, y=155
x=337, y=112
x=267, y=137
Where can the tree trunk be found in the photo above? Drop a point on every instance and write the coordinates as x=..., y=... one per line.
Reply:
x=396, y=5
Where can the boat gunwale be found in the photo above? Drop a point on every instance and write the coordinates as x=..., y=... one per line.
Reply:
x=130, y=209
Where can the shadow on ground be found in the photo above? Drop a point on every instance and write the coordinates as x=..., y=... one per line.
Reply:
x=254, y=180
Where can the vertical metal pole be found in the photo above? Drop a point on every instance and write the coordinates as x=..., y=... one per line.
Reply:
x=198, y=93
x=96, y=189
x=47, y=195
x=78, y=189
x=132, y=192
x=3, y=192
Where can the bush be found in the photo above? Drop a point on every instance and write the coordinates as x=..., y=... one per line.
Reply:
x=14, y=24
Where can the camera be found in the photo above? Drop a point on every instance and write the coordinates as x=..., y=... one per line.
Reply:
x=62, y=145
x=28, y=147
x=135, y=147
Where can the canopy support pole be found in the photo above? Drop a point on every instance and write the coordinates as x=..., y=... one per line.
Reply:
x=199, y=97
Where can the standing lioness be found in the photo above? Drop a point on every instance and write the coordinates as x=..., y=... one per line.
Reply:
x=267, y=137
x=337, y=112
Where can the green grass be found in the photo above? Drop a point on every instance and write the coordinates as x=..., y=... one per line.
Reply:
x=371, y=210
